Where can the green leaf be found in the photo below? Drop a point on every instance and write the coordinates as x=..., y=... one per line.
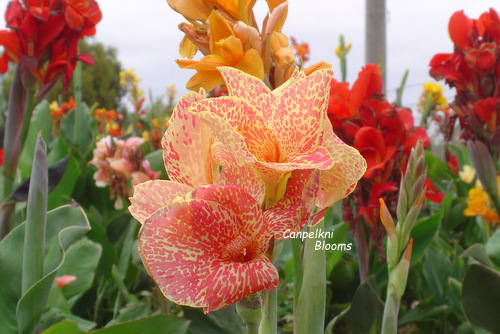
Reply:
x=64, y=225
x=493, y=248
x=156, y=163
x=40, y=122
x=75, y=128
x=366, y=310
x=424, y=313
x=80, y=261
x=423, y=233
x=437, y=268
x=147, y=325
x=338, y=237
x=224, y=321
x=55, y=174
x=480, y=296
x=477, y=253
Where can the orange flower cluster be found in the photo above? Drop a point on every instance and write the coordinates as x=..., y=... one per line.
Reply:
x=43, y=38
x=57, y=113
x=109, y=122
x=228, y=35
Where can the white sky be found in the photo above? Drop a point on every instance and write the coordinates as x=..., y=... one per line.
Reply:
x=146, y=36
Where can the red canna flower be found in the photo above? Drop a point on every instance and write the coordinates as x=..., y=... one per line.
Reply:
x=474, y=70
x=43, y=38
x=384, y=135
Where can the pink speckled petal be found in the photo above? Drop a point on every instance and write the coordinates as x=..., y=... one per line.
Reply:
x=198, y=251
x=247, y=87
x=241, y=204
x=186, y=145
x=225, y=116
x=153, y=195
x=230, y=282
x=294, y=209
x=299, y=113
x=235, y=172
x=340, y=180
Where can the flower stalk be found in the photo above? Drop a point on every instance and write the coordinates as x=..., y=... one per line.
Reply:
x=399, y=242
x=309, y=313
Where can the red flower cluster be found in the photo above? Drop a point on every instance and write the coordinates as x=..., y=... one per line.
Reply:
x=43, y=38
x=384, y=135
x=474, y=70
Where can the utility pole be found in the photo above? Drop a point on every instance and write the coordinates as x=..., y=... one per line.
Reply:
x=375, y=36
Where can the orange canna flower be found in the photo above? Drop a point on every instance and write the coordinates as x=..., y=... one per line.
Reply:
x=227, y=50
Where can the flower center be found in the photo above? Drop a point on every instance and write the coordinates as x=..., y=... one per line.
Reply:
x=241, y=249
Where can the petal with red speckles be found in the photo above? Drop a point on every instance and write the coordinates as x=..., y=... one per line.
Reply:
x=186, y=145
x=207, y=250
x=152, y=195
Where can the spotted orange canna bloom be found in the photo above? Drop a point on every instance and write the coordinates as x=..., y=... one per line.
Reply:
x=207, y=248
x=277, y=132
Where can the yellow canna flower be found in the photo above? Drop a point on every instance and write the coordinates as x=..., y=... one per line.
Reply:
x=479, y=204
x=467, y=174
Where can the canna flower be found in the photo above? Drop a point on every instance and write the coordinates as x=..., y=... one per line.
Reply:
x=479, y=204
x=207, y=248
x=467, y=174
x=43, y=39
x=383, y=134
x=277, y=132
x=434, y=92
x=119, y=163
x=226, y=50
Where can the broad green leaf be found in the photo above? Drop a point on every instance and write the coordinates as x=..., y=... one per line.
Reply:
x=156, y=162
x=40, y=121
x=480, y=297
x=477, y=253
x=64, y=226
x=147, y=325
x=423, y=233
x=437, y=268
x=493, y=248
x=366, y=310
x=339, y=236
x=80, y=261
x=224, y=321
x=76, y=128
x=421, y=314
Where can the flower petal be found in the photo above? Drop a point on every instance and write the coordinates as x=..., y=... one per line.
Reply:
x=152, y=195
x=297, y=116
x=186, y=145
x=294, y=209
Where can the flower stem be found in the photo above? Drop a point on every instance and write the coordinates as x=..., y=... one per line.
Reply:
x=12, y=148
x=361, y=250
x=297, y=270
x=309, y=315
x=249, y=310
x=269, y=323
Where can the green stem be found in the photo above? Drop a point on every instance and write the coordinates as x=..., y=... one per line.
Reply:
x=34, y=239
x=249, y=310
x=361, y=250
x=399, y=94
x=77, y=88
x=269, y=323
x=12, y=148
x=391, y=310
x=426, y=111
x=309, y=315
x=297, y=269
x=28, y=111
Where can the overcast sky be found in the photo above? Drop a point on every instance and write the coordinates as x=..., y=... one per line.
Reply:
x=146, y=36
